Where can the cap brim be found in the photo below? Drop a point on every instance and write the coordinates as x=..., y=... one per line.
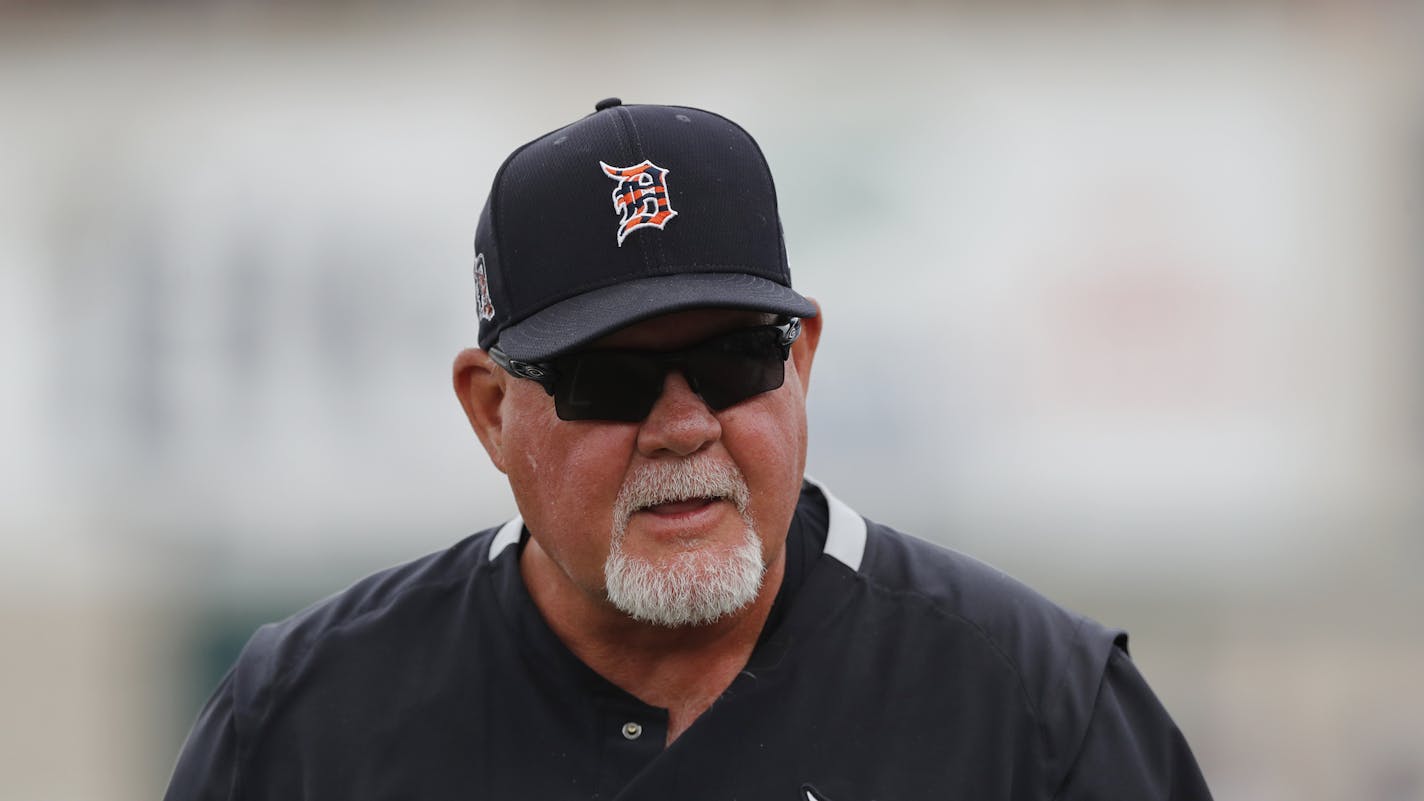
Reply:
x=579, y=320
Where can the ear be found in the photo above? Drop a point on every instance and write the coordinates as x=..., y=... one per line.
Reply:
x=803, y=350
x=480, y=386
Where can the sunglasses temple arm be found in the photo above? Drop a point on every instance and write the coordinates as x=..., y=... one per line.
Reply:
x=793, y=330
x=542, y=374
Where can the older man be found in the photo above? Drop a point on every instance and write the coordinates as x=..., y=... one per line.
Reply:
x=677, y=613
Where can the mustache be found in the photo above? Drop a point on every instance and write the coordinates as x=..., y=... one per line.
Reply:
x=684, y=479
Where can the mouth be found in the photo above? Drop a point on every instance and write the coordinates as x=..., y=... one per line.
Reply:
x=683, y=507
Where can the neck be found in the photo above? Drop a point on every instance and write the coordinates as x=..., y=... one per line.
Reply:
x=681, y=669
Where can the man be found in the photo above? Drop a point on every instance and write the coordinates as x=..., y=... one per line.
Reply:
x=677, y=613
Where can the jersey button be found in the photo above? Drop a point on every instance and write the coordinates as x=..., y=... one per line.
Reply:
x=632, y=730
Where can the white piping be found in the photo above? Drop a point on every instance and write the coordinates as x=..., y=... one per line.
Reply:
x=507, y=535
x=845, y=536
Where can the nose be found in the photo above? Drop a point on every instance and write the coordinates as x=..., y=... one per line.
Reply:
x=680, y=422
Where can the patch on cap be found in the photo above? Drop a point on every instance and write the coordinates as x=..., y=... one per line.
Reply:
x=641, y=197
x=483, y=302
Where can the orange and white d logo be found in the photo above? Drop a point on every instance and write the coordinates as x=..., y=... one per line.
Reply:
x=641, y=197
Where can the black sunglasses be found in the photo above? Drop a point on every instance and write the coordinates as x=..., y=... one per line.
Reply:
x=623, y=385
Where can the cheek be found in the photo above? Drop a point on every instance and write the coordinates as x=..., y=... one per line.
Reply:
x=767, y=440
x=565, y=476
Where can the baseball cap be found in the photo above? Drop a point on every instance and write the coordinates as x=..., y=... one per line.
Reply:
x=631, y=212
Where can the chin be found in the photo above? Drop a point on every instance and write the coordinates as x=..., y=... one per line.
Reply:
x=689, y=588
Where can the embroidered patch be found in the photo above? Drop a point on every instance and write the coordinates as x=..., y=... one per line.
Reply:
x=641, y=197
x=482, y=293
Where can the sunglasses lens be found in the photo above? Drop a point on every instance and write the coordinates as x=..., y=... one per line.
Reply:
x=623, y=385
x=729, y=369
x=607, y=385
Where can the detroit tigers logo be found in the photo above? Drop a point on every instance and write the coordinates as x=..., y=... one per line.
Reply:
x=641, y=197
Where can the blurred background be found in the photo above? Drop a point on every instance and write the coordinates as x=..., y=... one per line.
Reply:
x=1123, y=297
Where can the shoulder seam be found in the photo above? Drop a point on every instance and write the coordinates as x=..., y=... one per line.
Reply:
x=934, y=607
x=1060, y=782
x=1034, y=705
x=279, y=683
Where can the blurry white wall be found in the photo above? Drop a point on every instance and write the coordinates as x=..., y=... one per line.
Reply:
x=1126, y=301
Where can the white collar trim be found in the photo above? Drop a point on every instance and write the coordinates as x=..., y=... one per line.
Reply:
x=507, y=535
x=845, y=536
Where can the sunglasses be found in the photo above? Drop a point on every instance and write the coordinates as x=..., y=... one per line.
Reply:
x=623, y=385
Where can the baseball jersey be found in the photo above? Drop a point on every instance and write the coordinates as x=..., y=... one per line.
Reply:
x=889, y=669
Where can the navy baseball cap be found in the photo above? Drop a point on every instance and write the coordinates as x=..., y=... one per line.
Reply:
x=631, y=212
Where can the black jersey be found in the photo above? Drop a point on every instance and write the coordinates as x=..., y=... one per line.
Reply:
x=889, y=669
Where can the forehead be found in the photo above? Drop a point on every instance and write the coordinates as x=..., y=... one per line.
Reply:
x=678, y=329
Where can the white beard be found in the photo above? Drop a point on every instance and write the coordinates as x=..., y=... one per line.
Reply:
x=689, y=588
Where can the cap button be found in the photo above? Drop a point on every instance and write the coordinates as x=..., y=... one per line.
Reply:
x=607, y=102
